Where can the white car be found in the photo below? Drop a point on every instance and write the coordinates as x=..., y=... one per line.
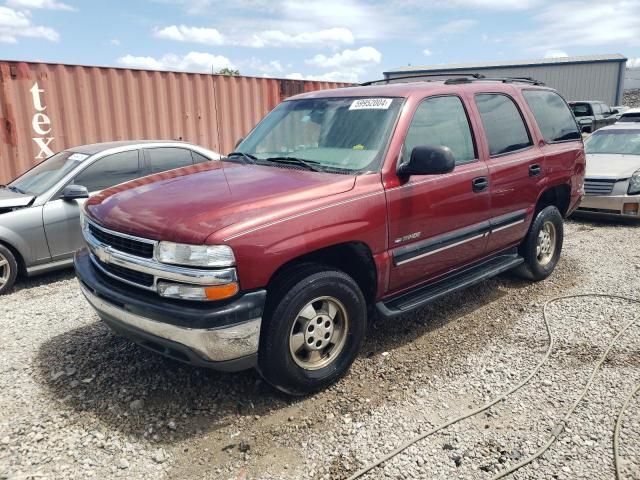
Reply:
x=631, y=115
x=612, y=180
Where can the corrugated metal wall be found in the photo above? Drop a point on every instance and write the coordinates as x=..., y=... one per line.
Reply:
x=49, y=107
x=580, y=81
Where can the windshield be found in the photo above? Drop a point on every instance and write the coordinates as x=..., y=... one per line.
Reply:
x=339, y=134
x=581, y=109
x=47, y=173
x=623, y=142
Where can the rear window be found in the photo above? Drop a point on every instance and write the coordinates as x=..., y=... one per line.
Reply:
x=581, y=109
x=630, y=117
x=552, y=115
x=503, y=123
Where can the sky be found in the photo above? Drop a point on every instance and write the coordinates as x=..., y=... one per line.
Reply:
x=334, y=40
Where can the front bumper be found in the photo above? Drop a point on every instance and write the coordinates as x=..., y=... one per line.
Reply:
x=223, y=336
x=610, y=205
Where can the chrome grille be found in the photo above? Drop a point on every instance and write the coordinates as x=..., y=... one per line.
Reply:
x=122, y=243
x=594, y=186
x=138, y=278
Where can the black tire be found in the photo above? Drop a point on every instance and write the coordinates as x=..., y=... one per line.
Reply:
x=539, y=266
x=287, y=298
x=8, y=270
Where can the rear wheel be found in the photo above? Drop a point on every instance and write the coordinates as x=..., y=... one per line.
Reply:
x=8, y=269
x=312, y=331
x=542, y=246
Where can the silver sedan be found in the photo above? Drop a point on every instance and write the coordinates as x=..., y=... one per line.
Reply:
x=39, y=211
x=612, y=179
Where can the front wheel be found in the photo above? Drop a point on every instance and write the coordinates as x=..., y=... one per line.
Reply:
x=8, y=269
x=542, y=246
x=312, y=331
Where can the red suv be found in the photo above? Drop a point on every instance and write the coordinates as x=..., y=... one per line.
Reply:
x=338, y=204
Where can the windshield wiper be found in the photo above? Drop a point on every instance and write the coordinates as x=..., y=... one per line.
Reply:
x=14, y=189
x=308, y=164
x=247, y=157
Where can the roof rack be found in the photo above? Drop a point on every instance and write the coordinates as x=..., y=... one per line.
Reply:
x=459, y=78
x=419, y=78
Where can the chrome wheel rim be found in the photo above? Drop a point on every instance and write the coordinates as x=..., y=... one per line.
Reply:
x=546, y=245
x=5, y=270
x=319, y=333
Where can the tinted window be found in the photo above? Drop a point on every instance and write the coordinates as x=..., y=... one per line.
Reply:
x=441, y=121
x=197, y=158
x=581, y=109
x=110, y=171
x=502, y=123
x=162, y=159
x=630, y=117
x=552, y=115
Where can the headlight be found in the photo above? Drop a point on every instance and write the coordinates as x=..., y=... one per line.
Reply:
x=634, y=184
x=197, y=292
x=195, y=255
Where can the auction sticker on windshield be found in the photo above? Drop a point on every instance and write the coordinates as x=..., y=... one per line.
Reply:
x=371, y=104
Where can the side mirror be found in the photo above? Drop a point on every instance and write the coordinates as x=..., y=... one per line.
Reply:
x=615, y=111
x=428, y=160
x=73, y=192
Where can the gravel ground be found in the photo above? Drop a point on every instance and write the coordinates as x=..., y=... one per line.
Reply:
x=78, y=402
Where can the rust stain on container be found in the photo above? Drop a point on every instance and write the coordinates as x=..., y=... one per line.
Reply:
x=45, y=108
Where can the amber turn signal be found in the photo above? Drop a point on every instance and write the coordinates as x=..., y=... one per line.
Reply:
x=218, y=292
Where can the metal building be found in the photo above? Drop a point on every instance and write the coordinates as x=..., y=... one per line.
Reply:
x=46, y=107
x=592, y=77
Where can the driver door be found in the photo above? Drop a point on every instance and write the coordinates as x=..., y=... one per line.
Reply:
x=61, y=217
x=438, y=223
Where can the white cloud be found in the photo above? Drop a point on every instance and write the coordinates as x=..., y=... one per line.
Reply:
x=633, y=63
x=184, y=33
x=562, y=25
x=14, y=24
x=476, y=4
x=191, y=62
x=331, y=37
x=361, y=57
x=555, y=54
x=341, y=76
x=427, y=53
x=456, y=26
x=46, y=4
x=270, y=67
x=115, y=42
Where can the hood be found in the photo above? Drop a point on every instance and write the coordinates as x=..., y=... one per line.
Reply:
x=189, y=204
x=11, y=199
x=607, y=165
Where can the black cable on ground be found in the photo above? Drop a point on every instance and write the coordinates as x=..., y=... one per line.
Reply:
x=555, y=432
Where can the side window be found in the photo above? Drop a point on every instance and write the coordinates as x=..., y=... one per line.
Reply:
x=441, y=121
x=197, y=158
x=110, y=171
x=553, y=116
x=167, y=158
x=606, y=110
x=597, y=109
x=503, y=123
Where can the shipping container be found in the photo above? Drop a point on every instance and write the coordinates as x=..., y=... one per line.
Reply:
x=45, y=108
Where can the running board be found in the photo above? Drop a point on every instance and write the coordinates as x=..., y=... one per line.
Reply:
x=426, y=294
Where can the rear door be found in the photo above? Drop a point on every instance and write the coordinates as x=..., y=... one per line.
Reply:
x=515, y=167
x=62, y=217
x=438, y=222
x=161, y=159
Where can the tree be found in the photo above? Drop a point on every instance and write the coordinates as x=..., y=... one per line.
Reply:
x=228, y=71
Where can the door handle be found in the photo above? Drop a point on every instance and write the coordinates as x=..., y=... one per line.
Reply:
x=534, y=170
x=479, y=184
